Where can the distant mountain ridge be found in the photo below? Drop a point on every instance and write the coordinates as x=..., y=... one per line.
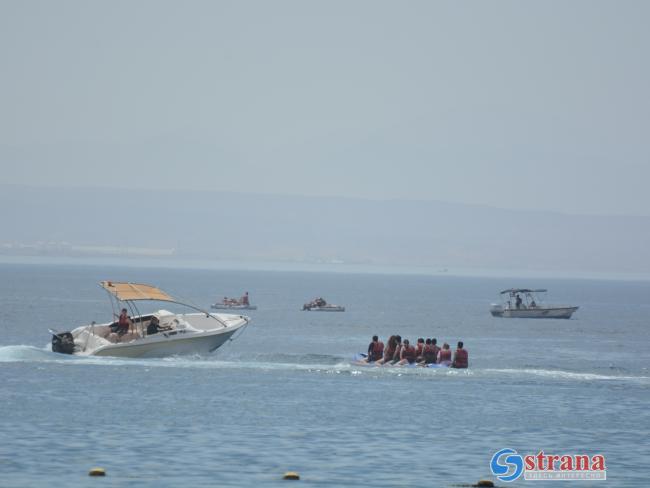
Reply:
x=300, y=228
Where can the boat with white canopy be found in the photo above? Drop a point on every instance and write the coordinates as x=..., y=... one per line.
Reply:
x=526, y=303
x=154, y=334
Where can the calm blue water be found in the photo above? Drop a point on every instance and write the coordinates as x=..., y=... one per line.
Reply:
x=284, y=395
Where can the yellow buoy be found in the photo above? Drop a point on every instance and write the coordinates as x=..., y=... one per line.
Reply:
x=485, y=483
x=291, y=475
x=97, y=472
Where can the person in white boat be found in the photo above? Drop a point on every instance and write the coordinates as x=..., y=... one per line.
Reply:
x=244, y=299
x=123, y=324
x=154, y=326
x=120, y=331
x=518, y=302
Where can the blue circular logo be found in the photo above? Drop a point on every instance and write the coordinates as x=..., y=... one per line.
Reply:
x=507, y=465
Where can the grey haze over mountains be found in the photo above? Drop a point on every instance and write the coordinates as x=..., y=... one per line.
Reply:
x=220, y=225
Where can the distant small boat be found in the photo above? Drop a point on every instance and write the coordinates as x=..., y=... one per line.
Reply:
x=234, y=304
x=325, y=308
x=531, y=306
x=320, y=305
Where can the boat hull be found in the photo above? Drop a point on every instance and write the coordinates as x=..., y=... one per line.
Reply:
x=534, y=313
x=185, y=334
x=221, y=306
x=167, y=345
x=334, y=308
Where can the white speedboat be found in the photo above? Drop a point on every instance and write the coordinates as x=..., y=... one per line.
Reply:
x=320, y=305
x=177, y=333
x=526, y=303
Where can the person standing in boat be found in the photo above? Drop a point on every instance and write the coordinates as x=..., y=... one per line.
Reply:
x=461, y=359
x=518, y=302
x=244, y=299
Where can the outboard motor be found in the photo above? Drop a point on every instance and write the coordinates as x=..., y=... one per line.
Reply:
x=63, y=342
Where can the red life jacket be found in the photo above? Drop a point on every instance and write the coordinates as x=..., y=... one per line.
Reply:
x=419, y=348
x=389, y=353
x=378, y=349
x=460, y=360
x=408, y=352
x=445, y=355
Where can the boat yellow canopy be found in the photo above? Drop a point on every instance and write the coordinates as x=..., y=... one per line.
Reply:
x=135, y=291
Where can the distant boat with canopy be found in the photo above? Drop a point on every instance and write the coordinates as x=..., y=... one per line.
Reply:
x=527, y=303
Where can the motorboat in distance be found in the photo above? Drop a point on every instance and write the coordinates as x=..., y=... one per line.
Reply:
x=242, y=303
x=531, y=306
x=154, y=334
x=320, y=305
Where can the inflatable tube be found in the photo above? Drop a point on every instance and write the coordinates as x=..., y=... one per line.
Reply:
x=359, y=360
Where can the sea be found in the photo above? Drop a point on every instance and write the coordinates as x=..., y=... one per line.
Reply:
x=285, y=395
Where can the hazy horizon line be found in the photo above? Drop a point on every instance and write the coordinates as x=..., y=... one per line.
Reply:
x=255, y=265
x=323, y=196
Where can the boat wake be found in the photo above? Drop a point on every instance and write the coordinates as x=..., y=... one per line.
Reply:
x=567, y=375
x=311, y=363
x=15, y=354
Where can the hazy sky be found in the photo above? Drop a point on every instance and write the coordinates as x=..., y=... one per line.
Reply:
x=537, y=104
